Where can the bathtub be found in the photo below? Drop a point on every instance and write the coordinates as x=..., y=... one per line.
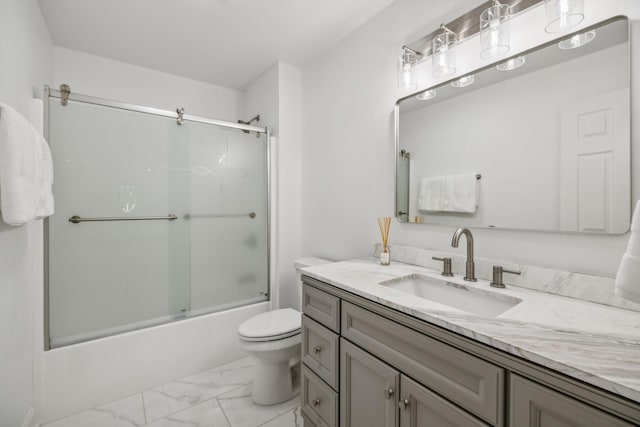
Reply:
x=81, y=376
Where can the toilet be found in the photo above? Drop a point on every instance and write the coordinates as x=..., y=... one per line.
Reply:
x=273, y=339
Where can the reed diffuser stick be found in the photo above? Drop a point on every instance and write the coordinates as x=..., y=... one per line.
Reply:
x=384, y=223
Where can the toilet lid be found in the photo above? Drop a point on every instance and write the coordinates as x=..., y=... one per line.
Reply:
x=272, y=324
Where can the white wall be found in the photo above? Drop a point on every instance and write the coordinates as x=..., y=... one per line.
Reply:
x=348, y=155
x=289, y=197
x=25, y=66
x=104, y=78
x=276, y=97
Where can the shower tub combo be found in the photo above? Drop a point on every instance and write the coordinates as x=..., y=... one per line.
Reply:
x=160, y=216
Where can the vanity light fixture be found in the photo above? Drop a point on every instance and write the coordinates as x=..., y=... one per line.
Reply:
x=577, y=40
x=444, y=54
x=464, y=81
x=426, y=95
x=495, y=31
x=491, y=21
x=562, y=15
x=512, y=64
x=405, y=65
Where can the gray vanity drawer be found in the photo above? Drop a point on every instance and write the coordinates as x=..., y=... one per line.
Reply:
x=320, y=350
x=533, y=404
x=319, y=401
x=472, y=383
x=321, y=307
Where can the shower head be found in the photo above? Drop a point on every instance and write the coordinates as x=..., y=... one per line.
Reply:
x=248, y=122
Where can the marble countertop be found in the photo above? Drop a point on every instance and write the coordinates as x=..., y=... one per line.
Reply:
x=592, y=342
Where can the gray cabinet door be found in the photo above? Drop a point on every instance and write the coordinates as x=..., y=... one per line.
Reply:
x=534, y=405
x=422, y=408
x=368, y=389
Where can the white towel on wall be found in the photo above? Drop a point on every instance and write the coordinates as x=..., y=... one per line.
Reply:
x=633, y=246
x=26, y=170
x=628, y=276
x=450, y=193
x=431, y=194
x=461, y=193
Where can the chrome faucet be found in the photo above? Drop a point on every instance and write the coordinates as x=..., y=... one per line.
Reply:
x=470, y=267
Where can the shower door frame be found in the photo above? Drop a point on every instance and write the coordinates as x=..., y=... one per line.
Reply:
x=57, y=94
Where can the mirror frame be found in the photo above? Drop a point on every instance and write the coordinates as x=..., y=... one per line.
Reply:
x=492, y=65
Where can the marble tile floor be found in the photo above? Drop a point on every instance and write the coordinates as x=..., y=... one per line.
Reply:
x=219, y=397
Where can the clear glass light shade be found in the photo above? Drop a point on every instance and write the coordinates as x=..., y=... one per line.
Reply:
x=406, y=79
x=464, y=81
x=495, y=31
x=577, y=40
x=562, y=15
x=444, y=54
x=511, y=64
x=427, y=94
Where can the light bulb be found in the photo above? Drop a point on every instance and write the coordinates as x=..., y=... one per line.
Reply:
x=427, y=94
x=562, y=15
x=406, y=78
x=495, y=31
x=511, y=64
x=464, y=81
x=444, y=59
x=577, y=40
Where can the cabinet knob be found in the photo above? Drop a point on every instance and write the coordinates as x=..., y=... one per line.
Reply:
x=316, y=402
x=403, y=404
x=388, y=393
x=317, y=349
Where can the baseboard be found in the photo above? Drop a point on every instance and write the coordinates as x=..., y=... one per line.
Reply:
x=30, y=418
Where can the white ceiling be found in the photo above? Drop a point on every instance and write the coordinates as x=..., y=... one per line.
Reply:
x=225, y=42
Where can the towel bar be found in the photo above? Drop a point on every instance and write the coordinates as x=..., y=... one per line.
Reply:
x=236, y=215
x=77, y=219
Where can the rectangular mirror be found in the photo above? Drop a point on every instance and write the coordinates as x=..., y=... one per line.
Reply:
x=549, y=141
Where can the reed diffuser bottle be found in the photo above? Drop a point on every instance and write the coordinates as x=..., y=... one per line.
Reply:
x=385, y=224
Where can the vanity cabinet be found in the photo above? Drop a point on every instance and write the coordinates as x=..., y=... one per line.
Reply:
x=366, y=365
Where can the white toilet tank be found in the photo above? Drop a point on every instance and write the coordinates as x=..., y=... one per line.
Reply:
x=302, y=263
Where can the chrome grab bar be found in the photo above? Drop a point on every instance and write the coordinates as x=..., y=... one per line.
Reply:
x=77, y=219
x=250, y=215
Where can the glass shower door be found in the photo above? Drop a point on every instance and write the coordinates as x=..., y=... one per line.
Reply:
x=154, y=222
x=228, y=220
x=106, y=274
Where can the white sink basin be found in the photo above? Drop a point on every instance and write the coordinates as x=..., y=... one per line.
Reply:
x=472, y=300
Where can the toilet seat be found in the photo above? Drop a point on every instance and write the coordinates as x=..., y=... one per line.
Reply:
x=271, y=326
